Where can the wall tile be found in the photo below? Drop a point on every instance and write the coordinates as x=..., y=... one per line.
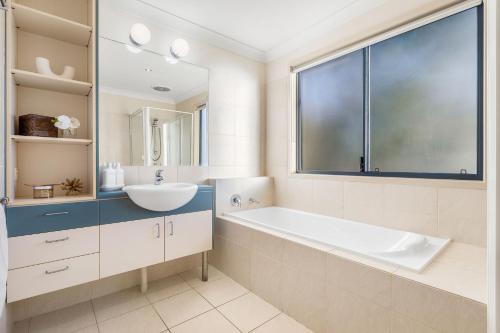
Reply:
x=192, y=174
x=410, y=208
x=328, y=198
x=364, y=202
x=268, y=245
x=221, y=150
x=131, y=175
x=441, y=310
x=232, y=259
x=303, y=297
x=234, y=232
x=299, y=194
x=462, y=215
x=372, y=284
x=304, y=258
x=349, y=313
x=266, y=278
x=402, y=324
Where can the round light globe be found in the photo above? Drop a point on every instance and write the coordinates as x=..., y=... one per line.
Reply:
x=179, y=48
x=140, y=34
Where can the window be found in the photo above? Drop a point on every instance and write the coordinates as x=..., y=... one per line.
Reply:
x=408, y=106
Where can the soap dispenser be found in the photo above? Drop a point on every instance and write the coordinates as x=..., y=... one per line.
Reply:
x=119, y=176
x=108, y=178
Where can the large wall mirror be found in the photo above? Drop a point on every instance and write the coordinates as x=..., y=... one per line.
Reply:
x=152, y=112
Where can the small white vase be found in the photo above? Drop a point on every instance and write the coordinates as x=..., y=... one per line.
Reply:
x=43, y=67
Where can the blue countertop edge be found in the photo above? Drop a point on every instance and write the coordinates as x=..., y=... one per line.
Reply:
x=120, y=194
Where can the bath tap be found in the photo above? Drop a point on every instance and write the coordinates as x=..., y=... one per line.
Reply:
x=159, y=177
x=253, y=201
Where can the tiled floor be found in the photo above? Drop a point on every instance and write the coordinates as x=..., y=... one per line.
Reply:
x=178, y=304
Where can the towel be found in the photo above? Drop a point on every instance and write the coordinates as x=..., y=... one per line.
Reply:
x=3, y=258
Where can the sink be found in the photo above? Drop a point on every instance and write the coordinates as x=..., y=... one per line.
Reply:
x=163, y=197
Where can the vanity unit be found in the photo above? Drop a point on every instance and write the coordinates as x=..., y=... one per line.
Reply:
x=52, y=247
x=63, y=241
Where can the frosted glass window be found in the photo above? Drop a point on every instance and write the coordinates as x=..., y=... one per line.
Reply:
x=408, y=106
x=424, y=98
x=330, y=112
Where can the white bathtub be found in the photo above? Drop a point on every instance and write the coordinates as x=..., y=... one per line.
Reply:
x=400, y=248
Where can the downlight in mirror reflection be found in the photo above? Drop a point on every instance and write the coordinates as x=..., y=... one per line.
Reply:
x=133, y=49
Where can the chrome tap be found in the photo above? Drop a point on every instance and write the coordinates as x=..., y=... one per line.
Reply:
x=159, y=179
x=253, y=201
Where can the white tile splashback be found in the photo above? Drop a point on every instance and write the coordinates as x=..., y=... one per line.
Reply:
x=259, y=188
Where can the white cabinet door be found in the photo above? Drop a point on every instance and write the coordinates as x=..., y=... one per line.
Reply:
x=131, y=245
x=187, y=234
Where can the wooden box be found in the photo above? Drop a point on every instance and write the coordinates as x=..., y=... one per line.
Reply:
x=36, y=125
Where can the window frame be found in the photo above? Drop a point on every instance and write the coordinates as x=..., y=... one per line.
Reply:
x=296, y=136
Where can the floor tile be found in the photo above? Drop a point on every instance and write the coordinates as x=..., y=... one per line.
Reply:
x=248, y=312
x=116, y=304
x=221, y=291
x=282, y=323
x=90, y=329
x=210, y=322
x=161, y=289
x=179, y=308
x=143, y=320
x=66, y=320
x=193, y=277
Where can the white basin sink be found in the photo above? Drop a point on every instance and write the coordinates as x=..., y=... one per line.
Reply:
x=162, y=197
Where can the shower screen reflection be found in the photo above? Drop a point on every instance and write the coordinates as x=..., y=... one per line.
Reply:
x=164, y=137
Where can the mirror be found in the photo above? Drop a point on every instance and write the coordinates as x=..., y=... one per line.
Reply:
x=151, y=112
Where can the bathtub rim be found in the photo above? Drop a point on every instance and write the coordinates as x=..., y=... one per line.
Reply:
x=374, y=261
x=431, y=276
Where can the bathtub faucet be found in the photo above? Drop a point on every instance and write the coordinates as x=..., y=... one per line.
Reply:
x=253, y=201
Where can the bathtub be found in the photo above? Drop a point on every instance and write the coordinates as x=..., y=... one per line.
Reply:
x=400, y=248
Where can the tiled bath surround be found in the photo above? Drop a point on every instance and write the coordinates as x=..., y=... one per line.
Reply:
x=331, y=291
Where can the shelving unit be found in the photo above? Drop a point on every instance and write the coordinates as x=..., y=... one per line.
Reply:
x=45, y=24
x=39, y=139
x=58, y=199
x=39, y=81
x=62, y=32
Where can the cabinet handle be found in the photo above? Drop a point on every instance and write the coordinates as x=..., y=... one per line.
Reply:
x=57, y=213
x=171, y=228
x=158, y=230
x=57, y=270
x=57, y=240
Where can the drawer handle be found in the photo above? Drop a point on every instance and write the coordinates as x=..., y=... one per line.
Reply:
x=158, y=230
x=171, y=228
x=57, y=240
x=57, y=270
x=56, y=213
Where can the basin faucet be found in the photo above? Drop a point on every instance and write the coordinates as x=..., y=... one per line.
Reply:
x=159, y=177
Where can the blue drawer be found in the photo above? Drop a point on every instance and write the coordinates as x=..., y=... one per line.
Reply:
x=27, y=220
x=121, y=210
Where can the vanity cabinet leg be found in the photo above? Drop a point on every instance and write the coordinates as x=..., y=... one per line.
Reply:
x=144, y=279
x=204, y=266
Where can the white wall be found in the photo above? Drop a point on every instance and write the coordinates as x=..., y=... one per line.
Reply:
x=455, y=209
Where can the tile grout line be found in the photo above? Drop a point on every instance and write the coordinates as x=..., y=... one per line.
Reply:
x=95, y=316
x=280, y=313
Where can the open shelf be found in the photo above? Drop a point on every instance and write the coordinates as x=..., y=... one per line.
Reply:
x=57, y=199
x=40, y=139
x=39, y=81
x=41, y=23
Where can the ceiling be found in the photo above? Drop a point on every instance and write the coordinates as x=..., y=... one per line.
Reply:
x=261, y=24
x=124, y=72
x=260, y=29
